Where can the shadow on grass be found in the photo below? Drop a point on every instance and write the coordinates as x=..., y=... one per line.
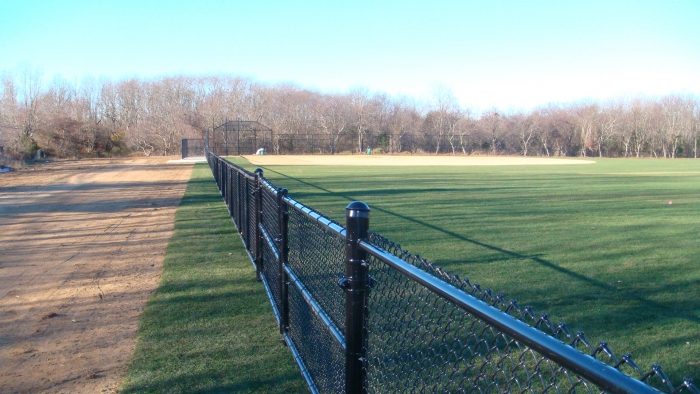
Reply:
x=508, y=254
x=182, y=383
x=615, y=311
x=209, y=326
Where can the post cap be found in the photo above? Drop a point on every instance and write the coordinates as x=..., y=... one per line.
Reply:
x=258, y=171
x=357, y=209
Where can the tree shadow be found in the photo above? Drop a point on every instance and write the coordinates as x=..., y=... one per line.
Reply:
x=636, y=303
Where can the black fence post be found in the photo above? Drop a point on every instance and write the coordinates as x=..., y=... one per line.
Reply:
x=184, y=148
x=229, y=188
x=224, y=172
x=258, y=223
x=283, y=247
x=356, y=286
x=218, y=173
x=239, y=200
x=246, y=214
x=232, y=199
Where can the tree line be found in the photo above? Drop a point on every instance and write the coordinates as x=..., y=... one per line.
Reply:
x=102, y=117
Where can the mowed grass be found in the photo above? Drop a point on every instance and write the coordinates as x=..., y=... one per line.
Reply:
x=209, y=326
x=597, y=246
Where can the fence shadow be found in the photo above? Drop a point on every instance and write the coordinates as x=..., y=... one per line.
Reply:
x=439, y=353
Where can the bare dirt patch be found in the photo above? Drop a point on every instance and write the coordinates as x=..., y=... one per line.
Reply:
x=81, y=249
x=414, y=160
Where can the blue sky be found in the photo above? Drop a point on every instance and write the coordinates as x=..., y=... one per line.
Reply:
x=505, y=54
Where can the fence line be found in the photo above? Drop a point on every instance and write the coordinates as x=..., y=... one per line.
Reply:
x=360, y=314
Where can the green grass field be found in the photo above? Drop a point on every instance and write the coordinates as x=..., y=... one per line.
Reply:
x=597, y=246
x=209, y=327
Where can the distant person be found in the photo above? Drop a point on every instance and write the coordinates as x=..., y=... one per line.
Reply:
x=369, y=151
x=260, y=151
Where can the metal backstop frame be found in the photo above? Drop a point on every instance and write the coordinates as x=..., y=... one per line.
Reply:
x=240, y=137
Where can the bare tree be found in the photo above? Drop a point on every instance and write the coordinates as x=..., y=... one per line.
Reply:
x=551, y=121
x=526, y=127
x=333, y=117
x=637, y=126
x=672, y=129
x=359, y=101
x=492, y=126
x=465, y=128
x=8, y=110
x=153, y=115
x=403, y=122
x=58, y=133
x=130, y=107
x=687, y=123
x=586, y=120
x=444, y=117
x=607, y=125
x=30, y=87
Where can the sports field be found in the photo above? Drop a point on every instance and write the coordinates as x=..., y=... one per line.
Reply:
x=611, y=248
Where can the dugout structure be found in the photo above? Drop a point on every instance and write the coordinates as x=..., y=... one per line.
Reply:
x=240, y=137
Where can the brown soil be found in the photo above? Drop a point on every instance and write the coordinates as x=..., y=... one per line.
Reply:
x=81, y=249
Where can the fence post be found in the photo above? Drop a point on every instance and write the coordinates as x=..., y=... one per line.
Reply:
x=239, y=200
x=356, y=286
x=229, y=190
x=283, y=245
x=218, y=173
x=246, y=214
x=184, y=148
x=258, y=221
x=224, y=172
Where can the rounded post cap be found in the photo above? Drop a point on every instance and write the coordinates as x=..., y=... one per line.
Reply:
x=258, y=171
x=357, y=209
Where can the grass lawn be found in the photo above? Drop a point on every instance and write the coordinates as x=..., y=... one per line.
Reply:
x=598, y=246
x=209, y=326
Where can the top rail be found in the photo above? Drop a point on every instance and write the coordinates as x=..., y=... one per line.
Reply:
x=603, y=375
x=328, y=224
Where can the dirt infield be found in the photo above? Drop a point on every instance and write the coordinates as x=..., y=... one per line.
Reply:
x=415, y=160
x=81, y=250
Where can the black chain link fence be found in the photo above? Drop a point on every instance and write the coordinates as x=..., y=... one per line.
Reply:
x=360, y=314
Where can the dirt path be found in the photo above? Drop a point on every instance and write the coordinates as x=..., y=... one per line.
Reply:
x=81, y=250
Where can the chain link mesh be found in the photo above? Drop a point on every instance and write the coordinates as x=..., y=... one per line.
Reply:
x=547, y=381
x=270, y=273
x=270, y=218
x=316, y=256
x=250, y=213
x=240, y=206
x=322, y=354
x=270, y=223
x=417, y=341
x=235, y=199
